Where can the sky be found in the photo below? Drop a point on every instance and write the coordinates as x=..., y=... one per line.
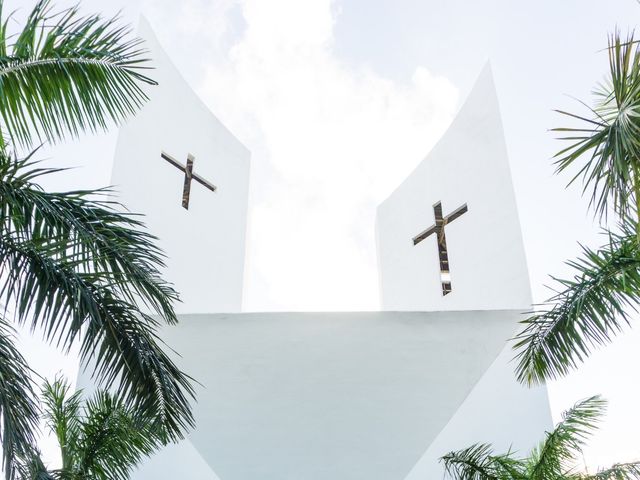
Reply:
x=338, y=100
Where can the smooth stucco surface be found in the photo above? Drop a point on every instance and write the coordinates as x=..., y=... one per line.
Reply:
x=205, y=245
x=469, y=165
x=342, y=395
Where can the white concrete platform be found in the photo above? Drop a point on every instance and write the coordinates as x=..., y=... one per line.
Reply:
x=373, y=395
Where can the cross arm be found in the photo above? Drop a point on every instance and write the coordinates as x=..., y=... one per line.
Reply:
x=429, y=231
x=456, y=213
x=194, y=176
x=203, y=182
x=173, y=161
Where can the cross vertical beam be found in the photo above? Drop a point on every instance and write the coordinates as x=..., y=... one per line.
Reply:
x=188, y=176
x=441, y=239
x=443, y=256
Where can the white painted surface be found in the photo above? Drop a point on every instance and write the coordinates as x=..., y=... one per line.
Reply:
x=333, y=395
x=488, y=266
x=517, y=426
x=176, y=461
x=345, y=395
x=205, y=245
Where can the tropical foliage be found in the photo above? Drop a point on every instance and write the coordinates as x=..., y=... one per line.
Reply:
x=554, y=459
x=63, y=74
x=73, y=265
x=589, y=309
x=100, y=438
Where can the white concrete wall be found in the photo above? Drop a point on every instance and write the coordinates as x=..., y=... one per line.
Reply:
x=205, y=245
x=178, y=460
x=488, y=266
x=518, y=426
x=343, y=395
x=348, y=395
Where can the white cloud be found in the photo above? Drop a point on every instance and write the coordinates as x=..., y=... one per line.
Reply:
x=329, y=140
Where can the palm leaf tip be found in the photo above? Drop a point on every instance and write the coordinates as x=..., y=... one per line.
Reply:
x=589, y=310
x=604, y=146
x=562, y=447
x=478, y=462
x=554, y=458
x=65, y=74
x=619, y=471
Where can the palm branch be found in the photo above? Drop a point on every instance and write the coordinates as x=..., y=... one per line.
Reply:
x=80, y=271
x=64, y=74
x=608, y=140
x=557, y=454
x=114, y=438
x=620, y=471
x=72, y=264
x=478, y=462
x=100, y=438
x=554, y=458
x=595, y=304
x=31, y=467
x=18, y=407
x=590, y=310
x=107, y=438
x=62, y=417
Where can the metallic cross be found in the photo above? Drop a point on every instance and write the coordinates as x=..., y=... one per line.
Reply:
x=438, y=229
x=188, y=176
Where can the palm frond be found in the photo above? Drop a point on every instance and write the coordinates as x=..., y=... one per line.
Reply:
x=114, y=439
x=478, y=462
x=65, y=73
x=608, y=141
x=81, y=271
x=620, y=471
x=104, y=438
x=96, y=233
x=31, y=467
x=127, y=351
x=590, y=310
x=61, y=415
x=18, y=405
x=561, y=446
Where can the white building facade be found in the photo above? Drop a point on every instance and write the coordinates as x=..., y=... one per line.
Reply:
x=371, y=395
x=205, y=243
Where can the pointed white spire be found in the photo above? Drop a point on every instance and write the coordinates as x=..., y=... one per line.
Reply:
x=473, y=256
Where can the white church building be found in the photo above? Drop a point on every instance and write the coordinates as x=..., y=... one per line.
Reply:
x=337, y=396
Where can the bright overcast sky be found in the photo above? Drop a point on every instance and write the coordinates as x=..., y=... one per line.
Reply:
x=339, y=100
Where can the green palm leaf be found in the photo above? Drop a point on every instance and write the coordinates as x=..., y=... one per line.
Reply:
x=479, y=463
x=18, y=408
x=621, y=471
x=609, y=140
x=553, y=459
x=590, y=310
x=82, y=272
x=100, y=438
x=114, y=438
x=73, y=264
x=31, y=467
x=558, y=452
x=65, y=74
x=61, y=415
x=93, y=230
x=109, y=437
